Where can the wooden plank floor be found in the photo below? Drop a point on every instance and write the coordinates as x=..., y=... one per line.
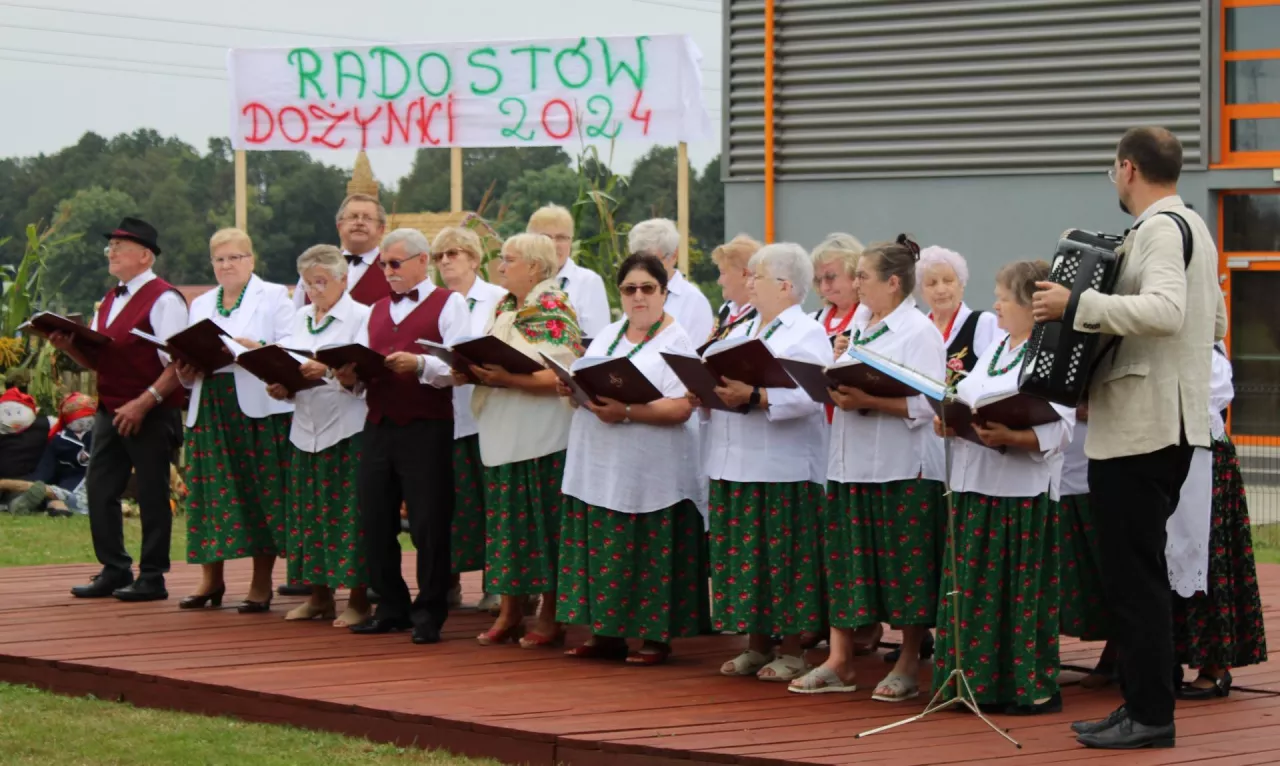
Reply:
x=539, y=707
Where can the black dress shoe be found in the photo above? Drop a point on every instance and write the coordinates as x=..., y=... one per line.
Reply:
x=426, y=634
x=1221, y=688
x=294, y=590
x=1128, y=734
x=379, y=625
x=254, y=607
x=101, y=586
x=1093, y=727
x=143, y=589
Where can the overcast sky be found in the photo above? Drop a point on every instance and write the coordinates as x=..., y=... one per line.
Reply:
x=112, y=66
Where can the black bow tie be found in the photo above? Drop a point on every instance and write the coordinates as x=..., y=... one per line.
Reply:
x=122, y=290
x=411, y=295
x=354, y=259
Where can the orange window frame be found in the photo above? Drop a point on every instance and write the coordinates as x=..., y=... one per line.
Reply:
x=1271, y=263
x=1231, y=112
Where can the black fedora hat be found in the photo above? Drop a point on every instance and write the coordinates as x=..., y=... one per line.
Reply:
x=136, y=230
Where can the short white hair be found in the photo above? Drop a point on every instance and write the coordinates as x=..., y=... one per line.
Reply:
x=326, y=257
x=414, y=242
x=656, y=236
x=789, y=261
x=933, y=256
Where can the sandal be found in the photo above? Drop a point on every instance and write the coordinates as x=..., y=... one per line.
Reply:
x=649, y=655
x=896, y=687
x=495, y=636
x=746, y=664
x=600, y=650
x=309, y=611
x=535, y=640
x=786, y=667
x=351, y=617
x=821, y=680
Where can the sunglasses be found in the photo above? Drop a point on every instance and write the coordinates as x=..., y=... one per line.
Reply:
x=395, y=265
x=450, y=254
x=645, y=289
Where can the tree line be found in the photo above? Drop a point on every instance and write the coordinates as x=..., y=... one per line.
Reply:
x=88, y=187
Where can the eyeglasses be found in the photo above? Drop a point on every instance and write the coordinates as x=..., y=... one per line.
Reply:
x=450, y=253
x=1111, y=174
x=755, y=277
x=395, y=265
x=119, y=246
x=648, y=288
x=555, y=237
x=228, y=260
x=359, y=218
x=318, y=286
x=826, y=278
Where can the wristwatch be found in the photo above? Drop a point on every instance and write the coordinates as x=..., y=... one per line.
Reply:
x=754, y=401
x=627, y=419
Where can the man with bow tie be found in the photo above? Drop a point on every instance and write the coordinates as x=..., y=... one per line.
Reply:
x=361, y=223
x=408, y=439
x=138, y=425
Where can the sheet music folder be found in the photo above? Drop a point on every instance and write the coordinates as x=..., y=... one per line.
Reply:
x=200, y=346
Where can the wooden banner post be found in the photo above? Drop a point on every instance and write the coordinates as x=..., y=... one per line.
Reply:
x=682, y=204
x=242, y=192
x=455, y=179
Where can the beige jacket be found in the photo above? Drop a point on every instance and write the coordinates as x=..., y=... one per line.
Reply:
x=1170, y=319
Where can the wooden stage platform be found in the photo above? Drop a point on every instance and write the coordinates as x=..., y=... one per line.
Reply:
x=539, y=707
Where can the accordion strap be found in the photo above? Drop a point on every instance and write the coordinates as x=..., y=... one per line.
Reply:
x=1188, y=244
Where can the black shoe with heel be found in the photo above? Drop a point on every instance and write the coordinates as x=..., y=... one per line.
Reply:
x=1221, y=688
x=212, y=598
x=254, y=607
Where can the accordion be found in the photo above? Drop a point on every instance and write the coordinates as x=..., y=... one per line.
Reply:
x=1059, y=359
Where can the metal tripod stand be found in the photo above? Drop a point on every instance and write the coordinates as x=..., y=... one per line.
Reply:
x=963, y=693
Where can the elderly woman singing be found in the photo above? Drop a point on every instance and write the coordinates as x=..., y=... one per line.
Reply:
x=632, y=561
x=835, y=260
x=942, y=275
x=237, y=440
x=456, y=253
x=732, y=258
x=524, y=430
x=767, y=467
x=325, y=542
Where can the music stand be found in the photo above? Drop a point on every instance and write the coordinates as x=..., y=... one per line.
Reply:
x=964, y=694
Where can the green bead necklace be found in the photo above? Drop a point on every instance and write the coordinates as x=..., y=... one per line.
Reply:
x=858, y=340
x=228, y=312
x=311, y=328
x=648, y=336
x=1017, y=359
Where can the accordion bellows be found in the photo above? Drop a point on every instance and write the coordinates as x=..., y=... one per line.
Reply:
x=1059, y=358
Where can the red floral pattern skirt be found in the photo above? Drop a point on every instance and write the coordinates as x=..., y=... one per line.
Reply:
x=1007, y=573
x=522, y=507
x=1084, y=612
x=325, y=541
x=238, y=473
x=633, y=575
x=467, y=545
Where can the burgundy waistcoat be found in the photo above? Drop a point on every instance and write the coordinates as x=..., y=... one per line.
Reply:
x=129, y=365
x=371, y=288
x=401, y=398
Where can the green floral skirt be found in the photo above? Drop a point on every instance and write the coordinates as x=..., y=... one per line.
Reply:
x=1007, y=565
x=325, y=541
x=1223, y=628
x=1084, y=613
x=765, y=557
x=633, y=575
x=238, y=471
x=467, y=545
x=522, y=505
x=881, y=552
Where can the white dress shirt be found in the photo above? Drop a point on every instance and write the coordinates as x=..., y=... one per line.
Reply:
x=690, y=308
x=328, y=414
x=984, y=335
x=878, y=447
x=587, y=297
x=1075, y=464
x=168, y=314
x=354, y=272
x=454, y=324
x=1016, y=472
x=637, y=467
x=482, y=300
x=265, y=315
x=788, y=441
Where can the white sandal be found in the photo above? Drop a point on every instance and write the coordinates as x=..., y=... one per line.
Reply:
x=900, y=688
x=821, y=680
x=746, y=664
x=786, y=667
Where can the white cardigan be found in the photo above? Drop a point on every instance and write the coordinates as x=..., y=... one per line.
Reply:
x=265, y=314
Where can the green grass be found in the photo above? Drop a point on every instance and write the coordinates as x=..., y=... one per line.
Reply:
x=50, y=730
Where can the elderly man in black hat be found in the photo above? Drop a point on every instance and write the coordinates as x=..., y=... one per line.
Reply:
x=138, y=424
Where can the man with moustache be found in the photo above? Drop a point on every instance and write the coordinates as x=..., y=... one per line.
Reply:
x=138, y=425
x=1148, y=406
x=407, y=440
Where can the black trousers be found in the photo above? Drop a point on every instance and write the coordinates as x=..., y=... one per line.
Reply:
x=149, y=453
x=413, y=464
x=1133, y=498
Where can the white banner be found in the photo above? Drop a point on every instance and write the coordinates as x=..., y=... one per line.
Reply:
x=522, y=93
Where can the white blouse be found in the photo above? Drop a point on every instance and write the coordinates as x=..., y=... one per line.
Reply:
x=482, y=300
x=587, y=297
x=788, y=441
x=690, y=308
x=1075, y=464
x=1014, y=473
x=265, y=315
x=879, y=447
x=328, y=414
x=637, y=467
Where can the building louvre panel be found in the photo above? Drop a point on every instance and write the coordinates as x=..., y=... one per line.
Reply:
x=885, y=88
